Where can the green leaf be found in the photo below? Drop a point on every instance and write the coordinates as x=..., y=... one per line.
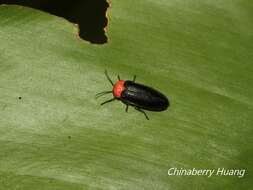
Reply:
x=55, y=134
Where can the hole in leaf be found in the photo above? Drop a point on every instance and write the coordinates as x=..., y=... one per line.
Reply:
x=90, y=15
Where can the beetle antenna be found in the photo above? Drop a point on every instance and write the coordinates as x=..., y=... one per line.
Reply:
x=107, y=76
x=102, y=93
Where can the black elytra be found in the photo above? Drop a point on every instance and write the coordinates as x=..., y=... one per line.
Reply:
x=139, y=96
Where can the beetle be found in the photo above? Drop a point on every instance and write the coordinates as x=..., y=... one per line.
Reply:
x=139, y=96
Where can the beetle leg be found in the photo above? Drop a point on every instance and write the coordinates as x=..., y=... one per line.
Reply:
x=134, y=78
x=142, y=111
x=107, y=101
x=126, y=108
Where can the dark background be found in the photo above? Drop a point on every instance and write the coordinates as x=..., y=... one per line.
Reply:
x=88, y=14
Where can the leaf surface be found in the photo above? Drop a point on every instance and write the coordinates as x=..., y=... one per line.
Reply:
x=54, y=133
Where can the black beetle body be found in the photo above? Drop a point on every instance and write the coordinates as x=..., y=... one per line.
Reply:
x=139, y=96
x=143, y=97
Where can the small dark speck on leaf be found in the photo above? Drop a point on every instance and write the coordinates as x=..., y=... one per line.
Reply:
x=69, y=137
x=20, y=97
